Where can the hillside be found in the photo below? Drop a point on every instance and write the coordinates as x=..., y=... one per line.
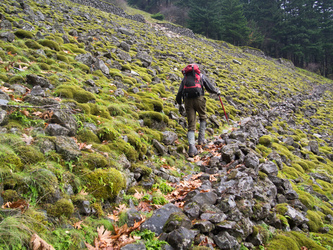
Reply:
x=93, y=147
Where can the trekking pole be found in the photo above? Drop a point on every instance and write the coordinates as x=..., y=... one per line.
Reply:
x=224, y=110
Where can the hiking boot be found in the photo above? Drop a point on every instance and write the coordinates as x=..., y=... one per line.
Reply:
x=192, y=151
x=202, y=130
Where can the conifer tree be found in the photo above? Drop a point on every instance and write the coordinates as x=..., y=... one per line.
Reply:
x=234, y=27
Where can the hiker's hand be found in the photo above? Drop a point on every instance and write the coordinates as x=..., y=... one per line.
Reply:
x=181, y=109
x=219, y=93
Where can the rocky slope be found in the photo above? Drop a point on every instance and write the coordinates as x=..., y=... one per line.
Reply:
x=91, y=136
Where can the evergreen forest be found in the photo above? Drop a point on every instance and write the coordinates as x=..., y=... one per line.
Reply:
x=297, y=30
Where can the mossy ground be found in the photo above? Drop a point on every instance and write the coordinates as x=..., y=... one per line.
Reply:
x=27, y=173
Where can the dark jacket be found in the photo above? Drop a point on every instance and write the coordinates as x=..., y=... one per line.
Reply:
x=206, y=85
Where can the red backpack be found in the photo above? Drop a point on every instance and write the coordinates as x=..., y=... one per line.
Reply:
x=192, y=81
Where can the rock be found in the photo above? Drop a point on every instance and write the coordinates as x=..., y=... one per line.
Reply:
x=86, y=59
x=160, y=216
x=133, y=216
x=205, y=198
x=160, y=148
x=204, y=226
x=192, y=210
x=7, y=36
x=295, y=217
x=56, y=130
x=3, y=117
x=225, y=241
x=100, y=65
x=35, y=80
x=181, y=238
x=126, y=31
x=274, y=156
x=269, y=168
x=175, y=221
x=169, y=137
x=145, y=58
x=134, y=246
x=252, y=161
x=213, y=217
x=67, y=147
x=65, y=119
x=314, y=147
x=84, y=208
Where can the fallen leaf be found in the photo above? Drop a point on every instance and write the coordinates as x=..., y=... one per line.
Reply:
x=20, y=204
x=113, y=217
x=28, y=139
x=37, y=243
x=138, y=195
x=77, y=225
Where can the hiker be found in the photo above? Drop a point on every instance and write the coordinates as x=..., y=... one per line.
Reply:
x=191, y=90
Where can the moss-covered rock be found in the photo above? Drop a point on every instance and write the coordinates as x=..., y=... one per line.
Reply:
x=105, y=184
x=29, y=154
x=93, y=161
x=62, y=207
x=75, y=92
x=49, y=43
x=23, y=33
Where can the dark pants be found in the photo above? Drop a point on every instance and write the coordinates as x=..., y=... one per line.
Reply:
x=193, y=105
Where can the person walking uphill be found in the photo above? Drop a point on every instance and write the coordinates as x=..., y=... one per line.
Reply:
x=191, y=90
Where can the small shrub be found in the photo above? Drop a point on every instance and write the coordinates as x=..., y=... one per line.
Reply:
x=158, y=16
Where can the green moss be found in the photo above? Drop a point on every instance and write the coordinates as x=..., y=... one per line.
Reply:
x=16, y=79
x=92, y=161
x=315, y=222
x=282, y=150
x=62, y=57
x=23, y=33
x=86, y=135
x=3, y=77
x=122, y=147
x=49, y=43
x=44, y=66
x=281, y=208
x=265, y=140
x=11, y=49
x=29, y=154
x=105, y=184
x=307, y=199
x=154, y=115
x=32, y=44
x=107, y=133
x=292, y=241
x=140, y=168
x=10, y=195
x=74, y=92
x=61, y=207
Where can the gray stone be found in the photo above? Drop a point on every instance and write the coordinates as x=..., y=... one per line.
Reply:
x=67, y=147
x=160, y=148
x=175, y=221
x=181, y=238
x=160, y=216
x=100, y=65
x=204, y=226
x=134, y=246
x=314, y=147
x=35, y=80
x=225, y=241
x=86, y=59
x=37, y=91
x=269, y=168
x=65, y=119
x=3, y=117
x=252, y=161
x=56, y=130
x=169, y=137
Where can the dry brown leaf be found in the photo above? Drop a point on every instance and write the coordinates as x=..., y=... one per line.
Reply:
x=37, y=243
x=121, y=208
x=28, y=139
x=77, y=225
x=138, y=195
x=113, y=217
x=25, y=112
x=20, y=204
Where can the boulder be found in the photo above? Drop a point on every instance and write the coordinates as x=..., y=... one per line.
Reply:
x=160, y=216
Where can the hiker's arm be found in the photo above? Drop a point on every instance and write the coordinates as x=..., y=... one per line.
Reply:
x=180, y=93
x=209, y=87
